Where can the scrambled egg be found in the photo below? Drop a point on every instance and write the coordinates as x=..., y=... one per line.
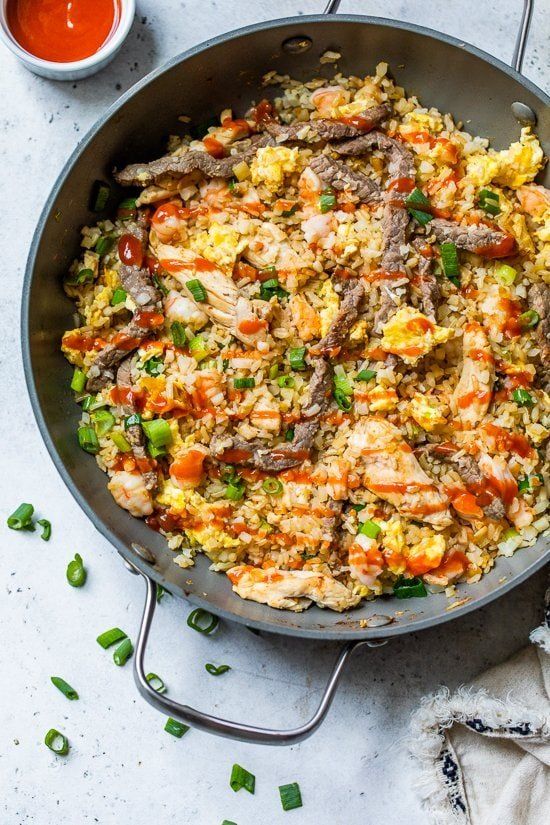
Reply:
x=382, y=399
x=211, y=538
x=394, y=545
x=410, y=335
x=220, y=244
x=331, y=306
x=359, y=331
x=426, y=411
x=421, y=122
x=93, y=313
x=511, y=167
x=270, y=165
x=426, y=554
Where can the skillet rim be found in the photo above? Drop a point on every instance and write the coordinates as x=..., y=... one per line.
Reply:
x=290, y=628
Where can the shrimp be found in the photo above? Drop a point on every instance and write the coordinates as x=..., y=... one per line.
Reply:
x=306, y=320
x=328, y=98
x=317, y=227
x=291, y=589
x=533, y=199
x=310, y=188
x=208, y=389
x=168, y=222
x=473, y=393
x=392, y=472
x=130, y=493
x=426, y=555
x=365, y=560
x=178, y=307
x=215, y=193
x=186, y=471
x=454, y=565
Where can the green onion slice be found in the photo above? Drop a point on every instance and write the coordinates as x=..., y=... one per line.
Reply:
x=273, y=371
x=104, y=244
x=244, y=383
x=523, y=398
x=177, y=331
x=161, y=593
x=506, y=274
x=156, y=682
x=327, y=201
x=286, y=381
x=153, y=366
x=76, y=572
x=120, y=442
x=175, y=728
x=132, y=420
x=87, y=439
x=529, y=319
x=296, y=357
x=409, y=588
x=228, y=821
x=127, y=208
x=57, y=742
x=118, y=297
x=198, y=348
x=197, y=290
x=123, y=652
x=290, y=796
x=156, y=452
x=104, y=421
x=64, y=687
x=235, y=490
x=216, y=671
x=87, y=402
x=100, y=196
x=202, y=621
x=370, y=529
x=241, y=778
x=414, y=203
x=272, y=288
x=343, y=400
x=46, y=528
x=365, y=375
x=21, y=518
x=489, y=201
x=158, y=432
x=78, y=381
x=287, y=213
x=449, y=260
x=272, y=486
x=109, y=637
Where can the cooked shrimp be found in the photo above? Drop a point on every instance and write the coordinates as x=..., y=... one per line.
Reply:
x=495, y=468
x=306, y=320
x=473, y=393
x=317, y=227
x=425, y=555
x=169, y=223
x=454, y=565
x=291, y=589
x=209, y=389
x=130, y=493
x=392, y=472
x=327, y=99
x=215, y=193
x=310, y=188
x=178, y=307
x=187, y=468
x=534, y=199
x=365, y=560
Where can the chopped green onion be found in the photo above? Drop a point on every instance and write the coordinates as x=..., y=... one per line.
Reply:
x=104, y=244
x=523, y=398
x=156, y=452
x=369, y=528
x=505, y=274
x=449, y=260
x=202, y=621
x=119, y=295
x=177, y=331
x=132, y=420
x=409, y=588
x=100, y=196
x=529, y=319
x=79, y=380
x=87, y=402
x=175, y=728
x=229, y=475
x=327, y=201
x=510, y=533
x=198, y=348
x=123, y=652
x=120, y=442
x=289, y=435
x=87, y=439
x=109, y=637
x=343, y=400
x=76, y=572
x=161, y=593
x=104, y=421
x=228, y=821
x=21, y=518
x=296, y=356
x=158, y=432
x=287, y=381
x=417, y=198
x=357, y=507
x=365, y=375
x=216, y=671
x=232, y=184
x=272, y=288
x=127, y=209
x=241, y=778
x=159, y=285
x=156, y=682
x=197, y=290
x=526, y=483
x=341, y=381
x=414, y=203
x=153, y=365
x=225, y=364
x=272, y=486
x=423, y=218
x=489, y=201
x=287, y=213
x=57, y=742
x=84, y=276
x=64, y=687
x=46, y=528
x=235, y=491
x=244, y=383
x=273, y=371
x=290, y=796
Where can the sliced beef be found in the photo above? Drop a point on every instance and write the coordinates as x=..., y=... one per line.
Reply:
x=472, y=238
x=134, y=433
x=430, y=293
x=400, y=159
x=324, y=129
x=538, y=297
x=139, y=286
x=353, y=294
x=102, y=371
x=395, y=221
x=337, y=174
x=470, y=473
x=495, y=510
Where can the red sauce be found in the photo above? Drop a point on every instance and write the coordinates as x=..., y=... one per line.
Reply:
x=358, y=121
x=504, y=249
x=509, y=442
x=479, y=396
x=481, y=355
x=148, y=319
x=130, y=250
x=214, y=147
x=512, y=309
x=204, y=265
x=62, y=30
x=251, y=326
x=385, y=275
x=128, y=397
x=82, y=343
x=402, y=184
x=235, y=456
x=126, y=342
x=281, y=452
x=263, y=112
x=420, y=325
x=400, y=487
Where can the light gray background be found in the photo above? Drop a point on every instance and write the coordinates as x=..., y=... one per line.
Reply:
x=122, y=767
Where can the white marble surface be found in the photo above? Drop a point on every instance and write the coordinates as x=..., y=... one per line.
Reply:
x=122, y=767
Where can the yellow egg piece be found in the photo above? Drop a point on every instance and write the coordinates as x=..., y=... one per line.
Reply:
x=426, y=411
x=270, y=165
x=411, y=335
x=331, y=304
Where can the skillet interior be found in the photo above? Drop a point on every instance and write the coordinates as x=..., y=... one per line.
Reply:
x=227, y=71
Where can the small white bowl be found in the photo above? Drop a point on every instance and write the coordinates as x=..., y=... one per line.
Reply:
x=77, y=69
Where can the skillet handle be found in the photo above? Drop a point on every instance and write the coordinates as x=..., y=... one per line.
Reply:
x=521, y=39
x=223, y=727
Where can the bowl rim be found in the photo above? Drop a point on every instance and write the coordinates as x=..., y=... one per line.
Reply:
x=291, y=627
x=107, y=50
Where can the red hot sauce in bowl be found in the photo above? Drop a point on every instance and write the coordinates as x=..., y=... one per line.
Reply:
x=62, y=31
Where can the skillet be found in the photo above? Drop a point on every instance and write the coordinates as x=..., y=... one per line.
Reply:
x=492, y=98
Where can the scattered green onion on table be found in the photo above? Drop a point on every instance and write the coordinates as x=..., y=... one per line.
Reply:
x=241, y=778
x=202, y=621
x=64, y=687
x=57, y=742
x=76, y=572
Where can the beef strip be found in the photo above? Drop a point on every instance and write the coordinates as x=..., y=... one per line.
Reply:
x=538, y=297
x=134, y=433
x=472, y=238
x=470, y=473
x=430, y=293
x=176, y=166
x=353, y=294
x=338, y=175
x=255, y=453
x=325, y=129
x=137, y=283
x=400, y=159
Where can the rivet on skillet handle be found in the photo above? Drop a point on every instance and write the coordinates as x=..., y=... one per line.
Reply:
x=521, y=111
x=224, y=727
